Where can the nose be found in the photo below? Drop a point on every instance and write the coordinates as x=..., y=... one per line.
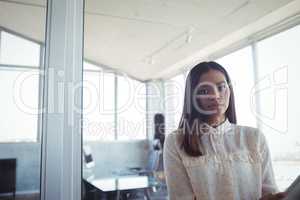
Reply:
x=215, y=94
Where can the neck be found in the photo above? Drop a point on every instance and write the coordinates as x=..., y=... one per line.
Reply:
x=216, y=120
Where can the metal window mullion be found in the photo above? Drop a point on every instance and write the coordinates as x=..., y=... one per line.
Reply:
x=0, y=44
x=116, y=106
x=163, y=97
x=40, y=95
x=256, y=78
x=147, y=110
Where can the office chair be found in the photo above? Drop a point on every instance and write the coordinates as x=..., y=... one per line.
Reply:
x=8, y=176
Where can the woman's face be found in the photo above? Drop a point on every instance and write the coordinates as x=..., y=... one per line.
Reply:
x=212, y=93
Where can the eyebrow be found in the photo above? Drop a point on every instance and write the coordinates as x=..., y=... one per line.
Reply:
x=219, y=83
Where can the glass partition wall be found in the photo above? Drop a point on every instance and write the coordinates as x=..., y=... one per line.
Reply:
x=278, y=88
x=38, y=126
x=22, y=47
x=41, y=84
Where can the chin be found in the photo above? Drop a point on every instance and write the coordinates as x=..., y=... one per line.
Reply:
x=218, y=112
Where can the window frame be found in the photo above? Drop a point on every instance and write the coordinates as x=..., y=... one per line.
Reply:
x=106, y=69
x=39, y=69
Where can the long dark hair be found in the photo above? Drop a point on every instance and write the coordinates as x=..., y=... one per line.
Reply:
x=159, y=128
x=191, y=115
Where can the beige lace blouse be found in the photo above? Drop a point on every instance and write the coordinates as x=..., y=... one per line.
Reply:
x=236, y=165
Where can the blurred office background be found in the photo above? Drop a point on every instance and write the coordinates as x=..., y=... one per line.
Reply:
x=136, y=58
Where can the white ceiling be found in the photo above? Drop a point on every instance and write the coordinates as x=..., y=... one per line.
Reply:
x=150, y=39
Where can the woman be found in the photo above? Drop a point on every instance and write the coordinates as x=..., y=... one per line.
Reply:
x=209, y=157
x=159, y=129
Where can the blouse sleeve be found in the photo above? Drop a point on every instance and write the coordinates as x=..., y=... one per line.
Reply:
x=178, y=184
x=268, y=179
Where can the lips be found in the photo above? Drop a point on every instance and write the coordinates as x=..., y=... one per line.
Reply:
x=216, y=105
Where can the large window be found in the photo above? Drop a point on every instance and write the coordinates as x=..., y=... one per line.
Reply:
x=240, y=69
x=98, y=104
x=131, y=109
x=112, y=111
x=18, y=51
x=278, y=88
x=19, y=78
x=174, y=96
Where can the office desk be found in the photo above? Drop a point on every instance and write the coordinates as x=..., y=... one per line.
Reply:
x=122, y=183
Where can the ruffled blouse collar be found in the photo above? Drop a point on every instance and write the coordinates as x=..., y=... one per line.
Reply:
x=220, y=129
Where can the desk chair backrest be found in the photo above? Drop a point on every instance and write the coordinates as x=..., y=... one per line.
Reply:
x=88, y=157
x=8, y=175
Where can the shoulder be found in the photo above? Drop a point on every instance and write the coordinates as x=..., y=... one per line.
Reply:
x=247, y=131
x=173, y=141
x=250, y=135
x=174, y=138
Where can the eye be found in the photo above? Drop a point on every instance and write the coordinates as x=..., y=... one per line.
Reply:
x=203, y=91
x=222, y=88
